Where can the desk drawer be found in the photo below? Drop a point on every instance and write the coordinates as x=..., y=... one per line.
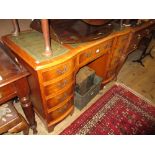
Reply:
x=94, y=52
x=137, y=36
x=53, y=88
x=59, y=98
x=123, y=39
x=58, y=71
x=7, y=92
x=60, y=111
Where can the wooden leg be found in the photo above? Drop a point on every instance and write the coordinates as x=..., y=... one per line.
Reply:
x=72, y=112
x=115, y=78
x=22, y=126
x=23, y=94
x=29, y=113
x=26, y=130
x=51, y=128
x=102, y=86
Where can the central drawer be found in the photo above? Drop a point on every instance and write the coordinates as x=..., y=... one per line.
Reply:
x=94, y=52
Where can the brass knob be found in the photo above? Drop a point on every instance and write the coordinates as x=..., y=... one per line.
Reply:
x=63, y=97
x=139, y=36
x=134, y=46
x=62, y=84
x=88, y=54
x=147, y=31
x=98, y=50
x=62, y=71
x=63, y=109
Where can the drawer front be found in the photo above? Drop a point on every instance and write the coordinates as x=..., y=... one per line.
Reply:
x=122, y=43
x=120, y=49
x=55, y=87
x=58, y=71
x=138, y=36
x=145, y=31
x=142, y=33
x=7, y=92
x=118, y=52
x=94, y=52
x=123, y=39
x=58, y=99
x=133, y=45
x=60, y=111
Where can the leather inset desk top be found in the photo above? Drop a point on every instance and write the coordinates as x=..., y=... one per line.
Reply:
x=32, y=42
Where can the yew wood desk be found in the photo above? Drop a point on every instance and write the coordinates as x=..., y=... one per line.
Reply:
x=13, y=82
x=52, y=78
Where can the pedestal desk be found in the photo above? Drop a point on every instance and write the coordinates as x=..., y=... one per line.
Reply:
x=52, y=78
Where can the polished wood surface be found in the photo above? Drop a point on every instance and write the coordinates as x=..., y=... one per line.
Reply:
x=107, y=55
x=13, y=82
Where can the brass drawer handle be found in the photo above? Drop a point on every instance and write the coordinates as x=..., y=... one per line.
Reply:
x=1, y=95
x=62, y=84
x=109, y=45
x=61, y=110
x=97, y=51
x=61, y=99
x=64, y=108
x=91, y=93
x=106, y=46
x=62, y=71
x=87, y=55
x=139, y=36
x=134, y=46
x=147, y=31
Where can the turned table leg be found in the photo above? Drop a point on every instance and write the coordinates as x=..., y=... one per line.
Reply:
x=23, y=94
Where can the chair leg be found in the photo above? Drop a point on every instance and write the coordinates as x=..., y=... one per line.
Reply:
x=26, y=131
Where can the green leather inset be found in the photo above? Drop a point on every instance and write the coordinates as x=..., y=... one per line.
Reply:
x=32, y=42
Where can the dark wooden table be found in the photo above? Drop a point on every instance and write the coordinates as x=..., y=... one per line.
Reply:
x=13, y=82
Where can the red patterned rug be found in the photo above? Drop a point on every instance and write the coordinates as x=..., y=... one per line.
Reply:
x=120, y=111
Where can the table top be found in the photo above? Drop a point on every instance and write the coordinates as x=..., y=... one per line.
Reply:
x=9, y=70
x=29, y=46
x=33, y=43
